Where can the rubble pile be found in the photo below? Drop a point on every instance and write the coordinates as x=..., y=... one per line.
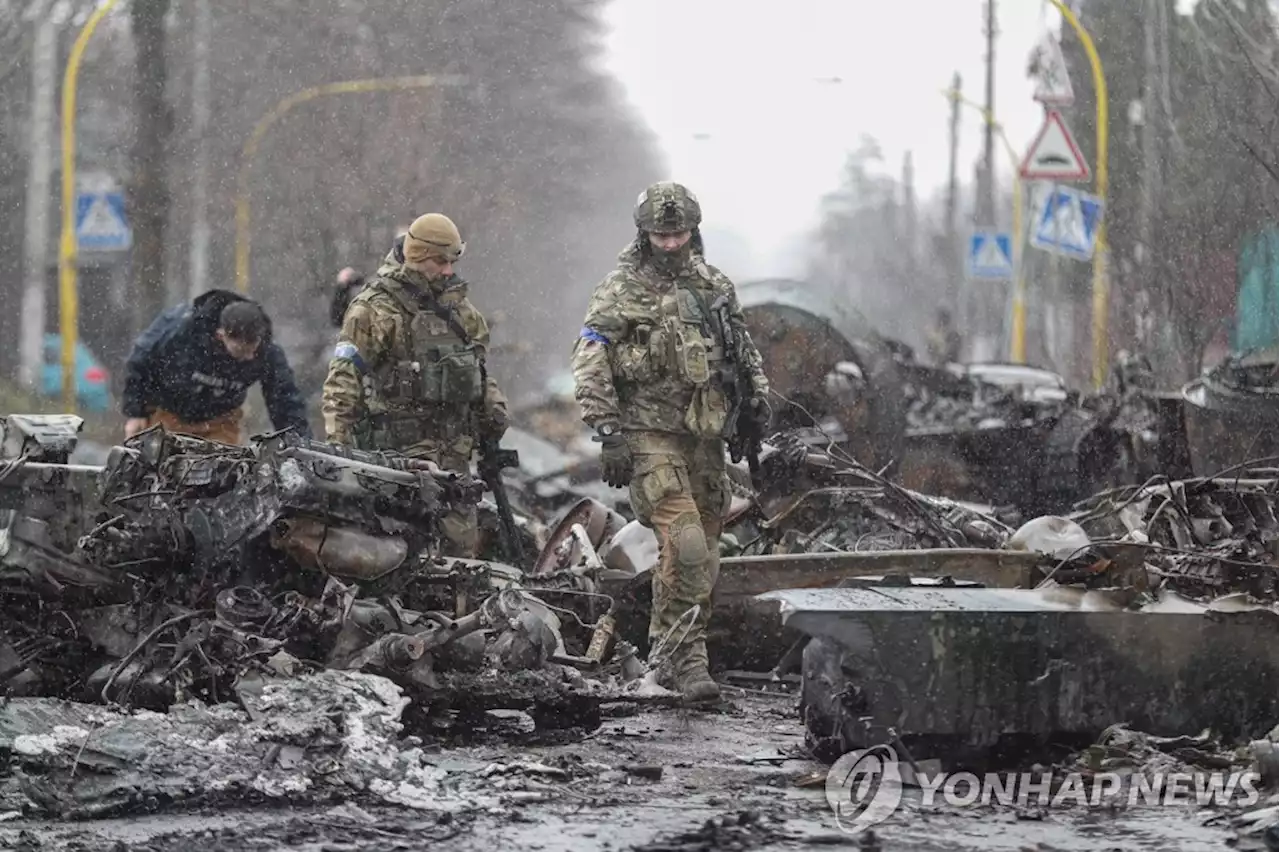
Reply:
x=183, y=566
x=327, y=736
x=286, y=605
x=1201, y=537
x=953, y=399
x=1124, y=751
x=817, y=498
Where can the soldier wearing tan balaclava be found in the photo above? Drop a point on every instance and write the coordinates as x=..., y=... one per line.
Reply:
x=408, y=373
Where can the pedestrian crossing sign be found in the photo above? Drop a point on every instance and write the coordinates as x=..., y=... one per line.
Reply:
x=1066, y=222
x=100, y=222
x=990, y=256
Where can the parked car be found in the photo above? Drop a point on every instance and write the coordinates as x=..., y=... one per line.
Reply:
x=93, y=386
x=1033, y=383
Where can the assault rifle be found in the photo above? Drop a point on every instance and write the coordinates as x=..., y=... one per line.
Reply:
x=493, y=460
x=743, y=434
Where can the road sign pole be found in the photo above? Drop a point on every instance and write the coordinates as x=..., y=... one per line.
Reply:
x=1101, y=284
x=1018, y=332
x=1019, y=284
x=68, y=297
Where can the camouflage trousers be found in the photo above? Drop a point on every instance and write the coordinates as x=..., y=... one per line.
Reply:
x=679, y=488
x=459, y=527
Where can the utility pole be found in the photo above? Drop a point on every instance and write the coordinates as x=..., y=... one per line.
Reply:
x=953, y=239
x=986, y=207
x=44, y=58
x=1149, y=302
x=987, y=314
x=202, y=33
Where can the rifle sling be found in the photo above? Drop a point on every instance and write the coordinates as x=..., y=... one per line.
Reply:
x=710, y=318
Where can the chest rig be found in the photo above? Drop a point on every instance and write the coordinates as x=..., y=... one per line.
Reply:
x=679, y=345
x=433, y=381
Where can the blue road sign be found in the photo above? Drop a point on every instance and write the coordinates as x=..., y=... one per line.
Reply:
x=990, y=256
x=1066, y=222
x=100, y=222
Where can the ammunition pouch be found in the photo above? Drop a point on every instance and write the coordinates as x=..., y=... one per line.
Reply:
x=642, y=358
x=707, y=413
x=690, y=353
x=450, y=375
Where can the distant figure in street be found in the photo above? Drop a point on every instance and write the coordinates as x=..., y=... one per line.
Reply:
x=349, y=283
x=943, y=340
x=192, y=369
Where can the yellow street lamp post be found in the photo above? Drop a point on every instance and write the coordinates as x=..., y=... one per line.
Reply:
x=1018, y=335
x=1101, y=283
x=381, y=84
x=68, y=296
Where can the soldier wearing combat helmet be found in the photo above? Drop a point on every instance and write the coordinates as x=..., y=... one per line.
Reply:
x=648, y=369
x=408, y=373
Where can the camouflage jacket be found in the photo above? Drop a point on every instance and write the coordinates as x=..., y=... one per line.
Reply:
x=632, y=363
x=374, y=348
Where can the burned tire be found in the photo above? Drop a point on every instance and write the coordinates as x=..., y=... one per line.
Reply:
x=831, y=700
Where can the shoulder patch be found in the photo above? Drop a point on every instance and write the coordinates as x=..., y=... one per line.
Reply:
x=346, y=351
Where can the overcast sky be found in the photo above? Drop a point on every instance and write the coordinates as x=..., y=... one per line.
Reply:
x=750, y=78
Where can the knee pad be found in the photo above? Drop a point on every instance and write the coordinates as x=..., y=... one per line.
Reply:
x=688, y=540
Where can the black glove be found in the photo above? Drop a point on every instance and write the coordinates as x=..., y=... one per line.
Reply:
x=493, y=425
x=616, y=463
x=761, y=412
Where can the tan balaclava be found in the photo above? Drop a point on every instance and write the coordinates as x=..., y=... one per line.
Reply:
x=433, y=236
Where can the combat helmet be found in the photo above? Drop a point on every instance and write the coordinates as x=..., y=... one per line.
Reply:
x=667, y=208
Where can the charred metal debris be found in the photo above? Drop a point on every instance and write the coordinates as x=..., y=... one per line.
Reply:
x=182, y=567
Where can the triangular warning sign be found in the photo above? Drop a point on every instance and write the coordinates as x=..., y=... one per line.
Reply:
x=1054, y=155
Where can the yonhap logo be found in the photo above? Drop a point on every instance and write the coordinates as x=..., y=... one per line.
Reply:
x=864, y=788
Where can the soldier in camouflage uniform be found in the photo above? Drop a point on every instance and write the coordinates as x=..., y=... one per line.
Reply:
x=647, y=370
x=408, y=373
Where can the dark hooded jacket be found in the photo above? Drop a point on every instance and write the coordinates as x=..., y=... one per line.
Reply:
x=178, y=364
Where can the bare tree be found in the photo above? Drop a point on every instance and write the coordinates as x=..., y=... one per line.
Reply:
x=533, y=152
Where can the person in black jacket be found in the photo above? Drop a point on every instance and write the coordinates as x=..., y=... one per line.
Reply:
x=192, y=369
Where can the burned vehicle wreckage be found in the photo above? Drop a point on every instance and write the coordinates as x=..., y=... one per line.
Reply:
x=1001, y=434
x=183, y=565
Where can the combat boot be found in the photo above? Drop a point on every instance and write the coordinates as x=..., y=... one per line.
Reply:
x=694, y=682
x=686, y=673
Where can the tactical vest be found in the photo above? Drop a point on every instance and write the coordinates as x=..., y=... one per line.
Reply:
x=433, y=393
x=682, y=347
